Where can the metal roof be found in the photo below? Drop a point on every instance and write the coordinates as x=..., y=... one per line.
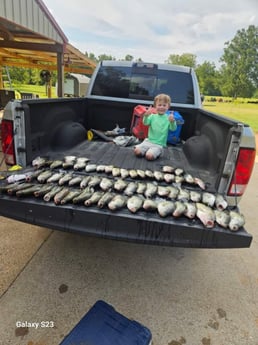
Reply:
x=30, y=37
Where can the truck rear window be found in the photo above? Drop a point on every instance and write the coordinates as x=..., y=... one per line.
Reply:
x=127, y=82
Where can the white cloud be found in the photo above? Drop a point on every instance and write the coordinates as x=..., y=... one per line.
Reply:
x=153, y=30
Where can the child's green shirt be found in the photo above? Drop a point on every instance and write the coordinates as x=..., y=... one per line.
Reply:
x=159, y=125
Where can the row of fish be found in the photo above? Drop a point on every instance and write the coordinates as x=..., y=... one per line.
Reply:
x=152, y=197
x=168, y=174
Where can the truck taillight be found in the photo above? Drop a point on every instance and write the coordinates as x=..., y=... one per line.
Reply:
x=243, y=171
x=8, y=142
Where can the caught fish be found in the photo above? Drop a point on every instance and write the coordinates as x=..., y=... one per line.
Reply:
x=133, y=173
x=168, y=169
x=173, y=192
x=169, y=178
x=42, y=178
x=94, y=198
x=94, y=181
x=205, y=214
x=75, y=180
x=124, y=173
x=130, y=188
x=84, y=195
x=189, y=178
x=19, y=186
x=134, y=203
x=43, y=190
x=166, y=208
x=195, y=196
x=5, y=187
x=179, y=209
x=16, y=178
x=117, y=202
x=149, y=205
x=183, y=194
x=101, y=168
x=178, y=171
x=220, y=202
x=90, y=167
x=237, y=220
x=141, y=188
x=140, y=173
x=39, y=162
x=28, y=191
x=163, y=191
x=70, y=196
x=208, y=199
x=65, y=179
x=106, y=183
x=84, y=182
x=55, y=177
x=151, y=190
x=80, y=163
x=55, y=189
x=56, y=164
x=31, y=175
x=190, y=210
x=69, y=162
x=109, y=168
x=120, y=185
x=60, y=195
x=105, y=199
x=149, y=174
x=222, y=218
x=199, y=183
x=116, y=172
x=158, y=175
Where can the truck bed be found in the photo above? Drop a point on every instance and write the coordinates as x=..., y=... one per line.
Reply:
x=142, y=227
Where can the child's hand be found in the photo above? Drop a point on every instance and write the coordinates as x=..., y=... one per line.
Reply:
x=150, y=110
x=171, y=118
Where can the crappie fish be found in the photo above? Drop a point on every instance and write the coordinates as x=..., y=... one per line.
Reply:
x=56, y=164
x=84, y=182
x=141, y=188
x=90, y=167
x=237, y=220
x=94, y=181
x=205, y=214
x=222, y=218
x=39, y=162
x=84, y=195
x=55, y=177
x=75, y=180
x=69, y=161
x=173, y=192
x=80, y=163
x=208, y=199
x=120, y=185
x=151, y=190
x=188, y=178
x=31, y=175
x=149, y=205
x=195, y=196
x=100, y=168
x=28, y=191
x=5, y=187
x=133, y=173
x=183, y=194
x=94, y=198
x=55, y=189
x=149, y=173
x=134, y=203
x=166, y=208
x=130, y=188
x=220, y=202
x=116, y=172
x=124, y=173
x=42, y=178
x=169, y=178
x=105, y=199
x=117, y=202
x=168, y=169
x=179, y=209
x=179, y=179
x=60, y=195
x=70, y=196
x=19, y=186
x=43, y=190
x=199, y=183
x=163, y=191
x=106, y=183
x=109, y=168
x=158, y=175
x=178, y=171
x=190, y=210
x=140, y=173
x=65, y=179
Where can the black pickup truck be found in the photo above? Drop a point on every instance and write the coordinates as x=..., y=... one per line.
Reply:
x=212, y=156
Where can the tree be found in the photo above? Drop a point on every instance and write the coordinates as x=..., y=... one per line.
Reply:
x=185, y=59
x=239, y=70
x=208, y=78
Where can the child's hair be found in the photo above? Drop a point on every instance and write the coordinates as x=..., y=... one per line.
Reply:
x=162, y=97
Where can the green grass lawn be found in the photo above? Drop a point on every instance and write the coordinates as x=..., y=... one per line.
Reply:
x=244, y=112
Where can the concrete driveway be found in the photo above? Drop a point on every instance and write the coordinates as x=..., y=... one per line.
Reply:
x=184, y=296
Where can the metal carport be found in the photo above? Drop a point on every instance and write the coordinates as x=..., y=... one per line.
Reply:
x=30, y=37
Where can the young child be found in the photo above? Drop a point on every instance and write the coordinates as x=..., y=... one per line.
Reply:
x=159, y=124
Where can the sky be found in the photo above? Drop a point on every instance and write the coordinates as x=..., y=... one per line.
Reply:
x=153, y=30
